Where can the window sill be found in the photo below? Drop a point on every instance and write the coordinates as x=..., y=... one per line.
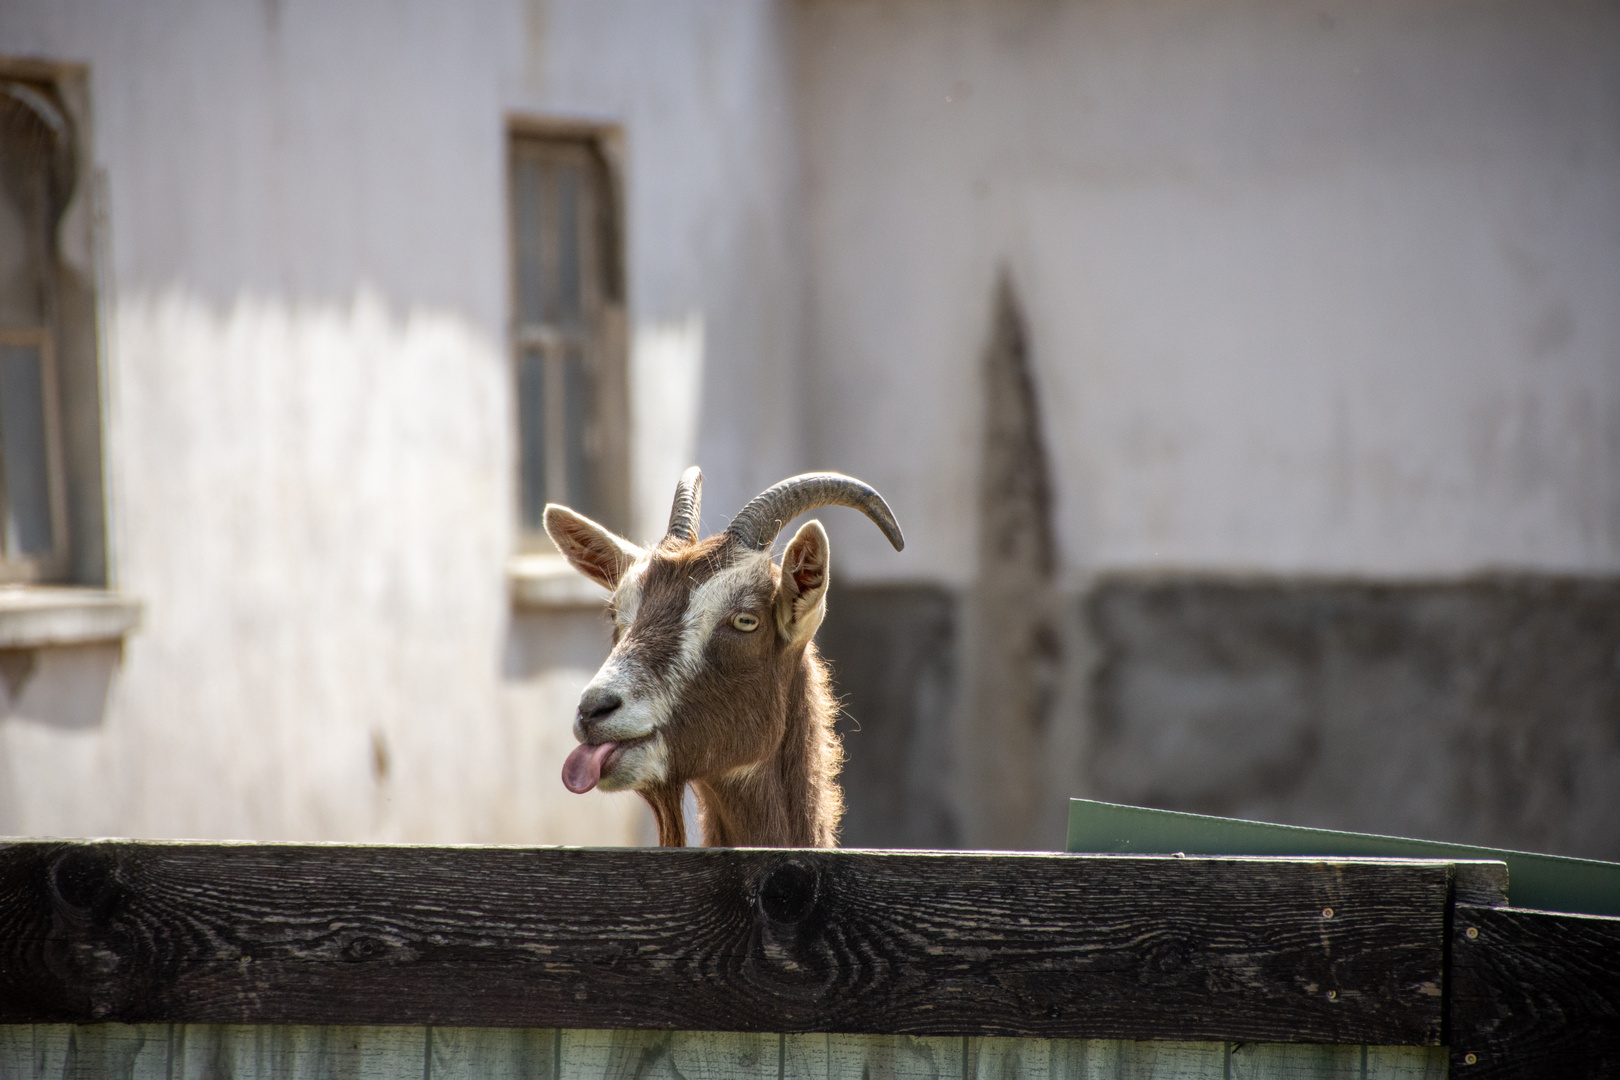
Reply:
x=35, y=616
x=548, y=583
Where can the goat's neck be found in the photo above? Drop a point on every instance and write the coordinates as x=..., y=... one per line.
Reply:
x=792, y=798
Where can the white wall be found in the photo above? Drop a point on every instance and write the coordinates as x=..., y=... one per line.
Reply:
x=311, y=437
x=1312, y=287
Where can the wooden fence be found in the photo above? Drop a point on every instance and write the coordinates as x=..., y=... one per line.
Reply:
x=218, y=960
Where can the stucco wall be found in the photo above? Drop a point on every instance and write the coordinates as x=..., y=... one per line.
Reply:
x=1319, y=304
x=1310, y=287
x=310, y=417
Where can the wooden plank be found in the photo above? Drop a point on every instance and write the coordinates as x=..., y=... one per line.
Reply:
x=670, y=1055
x=1406, y=1063
x=1261, y=1061
x=88, y=1052
x=872, y=1057
x=493, y=1053
x=297, y=1052
x=119, y=1052
x=767, y=941
x=1481, y=883
x=34, y=1051
x=1115, y=1059
x=1534, y=993
x=162, y=1052
x=995, y=1059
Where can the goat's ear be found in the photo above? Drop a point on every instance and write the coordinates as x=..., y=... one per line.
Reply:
x=592, y=549
x=801, y=599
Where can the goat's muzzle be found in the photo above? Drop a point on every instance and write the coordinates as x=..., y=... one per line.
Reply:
x=597, y=704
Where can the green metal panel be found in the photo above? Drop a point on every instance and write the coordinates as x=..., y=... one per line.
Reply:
x=1547, y=882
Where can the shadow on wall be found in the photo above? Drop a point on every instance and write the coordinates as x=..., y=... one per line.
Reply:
x=892, y=650
x=1481, y=711
x=62, y=688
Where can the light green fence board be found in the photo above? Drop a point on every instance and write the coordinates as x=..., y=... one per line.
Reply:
x=268, y=1052
x=86, y=1052
x=493, y=1053
x=1251, y=1061
x=1113, y=1058
x=1117, y=1059
x=670, y=1055
x=871, y=1057
x=1407, y=1062
x=259, y=1052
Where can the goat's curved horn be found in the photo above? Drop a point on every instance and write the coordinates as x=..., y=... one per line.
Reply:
x=683, y=515
x=757, y=524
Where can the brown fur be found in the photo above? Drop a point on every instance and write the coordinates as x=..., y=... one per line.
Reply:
x=753, y=730
x=793, y=799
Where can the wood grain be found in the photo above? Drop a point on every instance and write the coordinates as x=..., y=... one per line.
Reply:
x=247, y=1052
x=872, y=1057
x=229, y=1051
x=1407, y=1063
x=1534, y=994
x=671, y=1055
x=92, y=1052
x=770, y=941
x=492, y=1054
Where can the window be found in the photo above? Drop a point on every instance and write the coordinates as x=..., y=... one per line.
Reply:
x=568, y=331
x=52, y=492
x=37, y=179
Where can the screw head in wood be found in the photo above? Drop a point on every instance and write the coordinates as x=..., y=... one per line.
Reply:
x=1473, y=932
x=1333, y=995
x=1470, y=1059
x=1327, y=913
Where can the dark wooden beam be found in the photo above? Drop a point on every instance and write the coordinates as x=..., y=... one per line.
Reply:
x=1534, y=994
x=1303, y=950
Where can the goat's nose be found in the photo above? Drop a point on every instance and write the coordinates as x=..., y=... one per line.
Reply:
x=598, y=704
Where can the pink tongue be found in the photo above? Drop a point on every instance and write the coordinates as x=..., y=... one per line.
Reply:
x=584, y=766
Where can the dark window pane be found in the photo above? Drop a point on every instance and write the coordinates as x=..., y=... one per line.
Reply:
x=33, y=182
x=532, y=436
x=568, y=244
x=578, y=395
x=22, y=443
x=527, y=222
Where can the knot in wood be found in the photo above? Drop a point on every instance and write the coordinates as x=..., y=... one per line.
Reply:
x=788, y=893
x=81, y=881
x=364, y=948
x=1170, y=955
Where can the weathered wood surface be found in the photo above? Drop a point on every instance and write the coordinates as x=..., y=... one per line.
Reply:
x=246, y=1052
x=856, y=942
x=1534, y=994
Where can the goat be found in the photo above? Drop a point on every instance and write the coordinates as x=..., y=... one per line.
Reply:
x=713, y=679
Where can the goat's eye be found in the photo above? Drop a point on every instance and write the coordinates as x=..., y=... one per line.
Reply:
x=745, y=622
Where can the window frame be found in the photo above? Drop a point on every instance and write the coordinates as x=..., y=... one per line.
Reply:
x=600, y=334
x=70, y=597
